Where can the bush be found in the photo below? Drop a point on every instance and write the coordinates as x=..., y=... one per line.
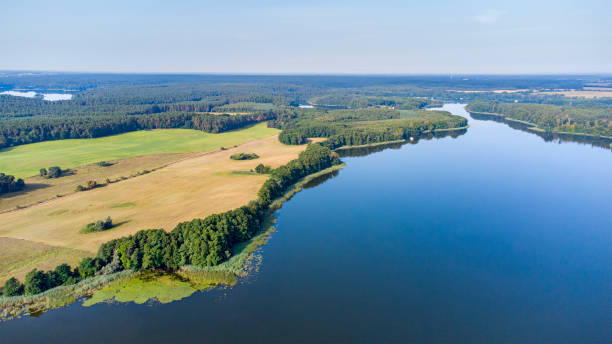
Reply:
x=36, y=281
x=244, y=156
x=104, y=163
x=98, y=226
x=52, y=172
x=13, y=287
x=261, y=169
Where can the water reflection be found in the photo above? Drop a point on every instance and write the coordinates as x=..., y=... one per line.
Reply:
x=348, y=152
x=320, y=179
x=547, y=136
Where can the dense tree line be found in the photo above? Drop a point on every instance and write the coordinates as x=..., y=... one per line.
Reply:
x=354, y=101
x=201, y=242
x=9, y=183
x=553, y=118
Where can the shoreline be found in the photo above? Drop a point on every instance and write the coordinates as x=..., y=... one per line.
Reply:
x=384, y=143
x=534, y=127
x=237, y=266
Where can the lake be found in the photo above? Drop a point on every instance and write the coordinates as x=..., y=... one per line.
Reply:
x=45, y=96
x=493, y=236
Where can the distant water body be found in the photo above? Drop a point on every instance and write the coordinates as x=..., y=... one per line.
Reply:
x=491, y=236
x=45, y=96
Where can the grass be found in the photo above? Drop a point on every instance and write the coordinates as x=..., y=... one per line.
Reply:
x=123, y=205
x=26, y=160
x=18, y=257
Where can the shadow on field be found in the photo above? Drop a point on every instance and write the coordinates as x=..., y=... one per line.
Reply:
x=28, y=188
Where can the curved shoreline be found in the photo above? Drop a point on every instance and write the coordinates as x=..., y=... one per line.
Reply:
x=237, y=266
x=534, y=126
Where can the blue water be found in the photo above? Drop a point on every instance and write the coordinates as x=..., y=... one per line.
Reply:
x=491, y=237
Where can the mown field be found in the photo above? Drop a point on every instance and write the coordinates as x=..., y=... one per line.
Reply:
x=39, y=189
x=25, y=161
x=191, y=188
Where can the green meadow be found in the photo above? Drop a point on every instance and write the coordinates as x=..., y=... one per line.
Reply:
x=27, y=160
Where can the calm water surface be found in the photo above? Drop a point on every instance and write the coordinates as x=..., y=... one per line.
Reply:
x=494, y=236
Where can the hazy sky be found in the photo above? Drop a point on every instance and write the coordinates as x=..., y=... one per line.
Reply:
x=265, y=36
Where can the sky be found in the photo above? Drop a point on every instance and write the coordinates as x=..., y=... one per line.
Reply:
x=308, y=37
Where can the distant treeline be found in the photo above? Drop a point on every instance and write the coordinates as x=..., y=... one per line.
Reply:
x=8, y=183
x=18, y=132
x=355, y=101
x=201, y=242
x=571, y=119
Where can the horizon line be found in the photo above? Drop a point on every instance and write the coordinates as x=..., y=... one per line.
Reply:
x=304, y=73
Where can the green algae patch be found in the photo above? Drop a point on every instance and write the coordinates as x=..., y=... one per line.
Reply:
x=159, y=286
x=143, y=287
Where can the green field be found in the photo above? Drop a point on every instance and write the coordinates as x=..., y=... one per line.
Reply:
x=24, y=161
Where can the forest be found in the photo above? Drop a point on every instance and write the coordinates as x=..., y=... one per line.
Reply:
x=552, y=118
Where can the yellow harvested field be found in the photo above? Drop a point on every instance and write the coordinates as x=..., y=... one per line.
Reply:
x=191, y=188
x=18, y=257
x=585, y=94
x=39, y=189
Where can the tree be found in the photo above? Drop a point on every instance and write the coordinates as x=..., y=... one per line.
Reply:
x=87, y=267
x=43, y=172
x=36, y=282
x=13, y=287
x=64, y=274
x=54, y=172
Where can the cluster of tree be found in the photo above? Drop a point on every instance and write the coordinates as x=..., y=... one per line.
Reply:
x=8, y=183
x=18, y=132
x=262, y=169
x=98, y=226
x=91, y=184
x=52, y=172
x=37, y=281
x=244, y=156
x=315, y=158
x=201, y=242
x=572, y=119
x=359, y=127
